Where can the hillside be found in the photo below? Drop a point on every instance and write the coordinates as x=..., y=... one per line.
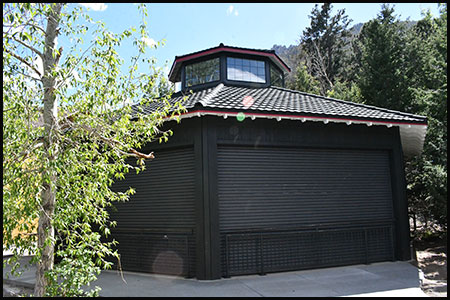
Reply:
x=290, y=54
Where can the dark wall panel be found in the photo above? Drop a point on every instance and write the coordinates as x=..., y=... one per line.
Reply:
x=156, y=227
x=165, y=193
x=287, y=188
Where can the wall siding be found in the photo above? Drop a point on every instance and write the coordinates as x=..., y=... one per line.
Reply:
x=156, y=228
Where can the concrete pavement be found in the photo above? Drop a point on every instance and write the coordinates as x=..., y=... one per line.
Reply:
x=387, y=279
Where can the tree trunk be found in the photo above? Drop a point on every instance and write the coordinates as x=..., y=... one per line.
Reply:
x=46, y=230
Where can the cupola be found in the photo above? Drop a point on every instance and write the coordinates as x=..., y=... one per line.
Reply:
x=229, y=65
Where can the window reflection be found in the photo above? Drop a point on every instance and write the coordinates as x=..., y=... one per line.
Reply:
x=276, y=77
x=245, y=70
x=202, y=72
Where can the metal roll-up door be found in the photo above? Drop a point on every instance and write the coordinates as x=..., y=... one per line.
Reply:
x=155, y=229
x=289, y=209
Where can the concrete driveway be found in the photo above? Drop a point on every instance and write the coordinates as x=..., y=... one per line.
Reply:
x=387, y=279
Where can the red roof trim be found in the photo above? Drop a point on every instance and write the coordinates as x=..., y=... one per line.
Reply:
x=300, y=117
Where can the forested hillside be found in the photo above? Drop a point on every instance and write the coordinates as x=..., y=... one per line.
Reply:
x=400, y=65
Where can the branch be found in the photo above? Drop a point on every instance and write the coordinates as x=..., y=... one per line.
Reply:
x=69, y=74
x=29, y=47
x=320, y=64
x=23, y=155
x=36, y=26
x=31, y=77
x=142, y=155
x=23, y=61
x=114, y=144
x=26, y=24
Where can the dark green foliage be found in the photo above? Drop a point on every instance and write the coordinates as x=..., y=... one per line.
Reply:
x=427, y=175
x=304, y=81
x=406, y=69
x=382, y=77
x=325, y=42
x=346, y=91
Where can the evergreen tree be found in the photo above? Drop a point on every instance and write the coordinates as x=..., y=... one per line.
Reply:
x=382, y=77
x=304, y=81
x=325, y=43
x=347, y=92
x=427, y=175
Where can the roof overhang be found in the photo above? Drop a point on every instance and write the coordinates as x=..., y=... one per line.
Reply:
x=175, y=70
x=412, y=135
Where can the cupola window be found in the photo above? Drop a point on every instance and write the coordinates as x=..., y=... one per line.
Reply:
x=276, y=77
x=246, y=70
x=203, y=72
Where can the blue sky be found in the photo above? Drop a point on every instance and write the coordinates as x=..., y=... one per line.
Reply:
x=190, y=27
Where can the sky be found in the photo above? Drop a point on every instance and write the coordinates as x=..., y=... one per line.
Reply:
x=191, y=27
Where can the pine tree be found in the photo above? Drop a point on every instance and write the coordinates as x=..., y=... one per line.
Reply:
x=382, y=77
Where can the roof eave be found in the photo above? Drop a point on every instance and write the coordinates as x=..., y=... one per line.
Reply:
x=412, y=134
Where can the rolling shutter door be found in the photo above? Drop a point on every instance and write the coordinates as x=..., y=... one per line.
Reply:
x=288, y=209
x=155, y=229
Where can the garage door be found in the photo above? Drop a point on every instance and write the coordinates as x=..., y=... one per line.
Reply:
x=289, y=209
x=155, y=229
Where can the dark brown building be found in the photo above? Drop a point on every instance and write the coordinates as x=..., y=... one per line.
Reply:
x=258, y=178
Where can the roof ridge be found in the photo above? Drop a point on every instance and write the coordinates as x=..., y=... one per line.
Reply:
x=207, y=99
x=226, y=46
x=354, y=103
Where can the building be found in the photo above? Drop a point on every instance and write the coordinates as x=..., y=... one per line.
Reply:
x=258, y=178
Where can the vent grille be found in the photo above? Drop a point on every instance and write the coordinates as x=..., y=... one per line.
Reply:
x=263, y=252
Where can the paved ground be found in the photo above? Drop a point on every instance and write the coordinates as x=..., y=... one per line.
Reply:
x=380, y=279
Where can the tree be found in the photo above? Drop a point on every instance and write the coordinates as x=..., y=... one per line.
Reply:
x=304, y=81
x=381, y=76
x=325, y=43
x=347, y=92
x=427, y=175
x=405, y=69
x=68, y=130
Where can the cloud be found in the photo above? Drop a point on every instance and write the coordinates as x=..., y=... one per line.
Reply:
x=95, y=6
x=231, y=10
x=149, y=42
